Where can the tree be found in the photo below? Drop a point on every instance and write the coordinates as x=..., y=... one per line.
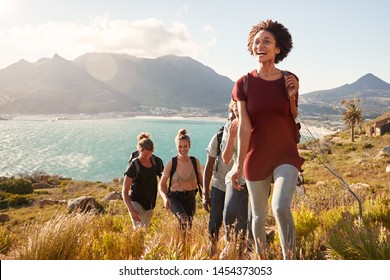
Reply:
x=353, y=114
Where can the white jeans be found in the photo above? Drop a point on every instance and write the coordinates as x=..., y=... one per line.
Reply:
x=146, y=216
x=285, y=180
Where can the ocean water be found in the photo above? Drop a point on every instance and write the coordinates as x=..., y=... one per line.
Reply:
x=93, y=150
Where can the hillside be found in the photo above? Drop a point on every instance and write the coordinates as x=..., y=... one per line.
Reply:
x=374, y=92
x=39, y=226
x=96, y=83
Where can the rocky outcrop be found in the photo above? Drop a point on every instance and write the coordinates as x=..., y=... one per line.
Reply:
x=82, y=204
x=113, y=196
x=385, y=152
x=46, y=202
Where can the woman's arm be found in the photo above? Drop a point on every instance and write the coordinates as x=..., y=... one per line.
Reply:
x=200, y=174
x=208, y=174
x=292, y=86
x=244, y=135
x=126, y=198
x=227, y=153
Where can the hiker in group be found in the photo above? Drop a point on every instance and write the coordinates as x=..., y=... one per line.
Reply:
x=141, y=181
x=216, y=170
x=267, y=100
x=185, y=178
x=236, y=213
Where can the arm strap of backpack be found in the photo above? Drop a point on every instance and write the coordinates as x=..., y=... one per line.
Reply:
x=173, y=170
x=199, y=188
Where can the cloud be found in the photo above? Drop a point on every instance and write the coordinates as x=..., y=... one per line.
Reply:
x=144, y=38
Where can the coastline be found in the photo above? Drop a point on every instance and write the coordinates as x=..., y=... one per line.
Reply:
x=174, y=118
x=77, y=117
x=317, y=131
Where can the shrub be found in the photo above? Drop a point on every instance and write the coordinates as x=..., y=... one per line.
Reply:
x=16, y=200
x=3, y=204
x=354, y=240
x=17, y=186
x=306, y=221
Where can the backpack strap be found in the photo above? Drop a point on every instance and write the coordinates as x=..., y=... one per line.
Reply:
x=173, y=170
x=219, y=141
x=194, y=163
x=246, y=78
x=297, y=125
x=133, y=155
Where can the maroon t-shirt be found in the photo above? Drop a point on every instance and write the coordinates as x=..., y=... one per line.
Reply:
x=272, y=138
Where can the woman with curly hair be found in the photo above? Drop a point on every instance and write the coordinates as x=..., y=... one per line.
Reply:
x=267, y=100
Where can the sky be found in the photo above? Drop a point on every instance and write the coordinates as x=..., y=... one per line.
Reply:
x=335, y=41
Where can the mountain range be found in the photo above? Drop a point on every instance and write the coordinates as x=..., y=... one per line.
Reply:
x=374, y=93
x=102, y=82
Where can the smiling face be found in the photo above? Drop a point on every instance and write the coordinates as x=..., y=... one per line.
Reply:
x=264, y=47
x=183, y=147
x=145, y=154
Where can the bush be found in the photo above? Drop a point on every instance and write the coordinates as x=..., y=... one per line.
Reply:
x=306, y=221
x=355, y=240
x=16, y=200
x=3, y=204
x=17, y=186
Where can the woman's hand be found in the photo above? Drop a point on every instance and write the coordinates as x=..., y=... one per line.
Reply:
x=236, y=179
x=206, y=202
x=167, y=203
x=135, y=215
x=292, y=85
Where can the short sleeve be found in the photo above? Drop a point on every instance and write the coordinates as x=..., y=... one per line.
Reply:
x=212, y=148
x=238, y=90
x=130, y=170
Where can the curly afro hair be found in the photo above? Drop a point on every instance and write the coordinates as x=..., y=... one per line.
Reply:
x=282, y=36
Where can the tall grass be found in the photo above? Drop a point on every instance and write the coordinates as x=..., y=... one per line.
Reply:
x=57, y=239
x=359, y=241
x=326, y=219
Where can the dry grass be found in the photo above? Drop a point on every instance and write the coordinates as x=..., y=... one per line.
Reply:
x=327, y=220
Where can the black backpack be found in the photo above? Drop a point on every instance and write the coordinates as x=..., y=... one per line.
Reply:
x=133, y=158
x=219, y=141
x=173, y=170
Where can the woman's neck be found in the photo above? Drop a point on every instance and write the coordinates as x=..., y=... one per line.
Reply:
x=268, y=72
x=145, y=161
x=181, y=157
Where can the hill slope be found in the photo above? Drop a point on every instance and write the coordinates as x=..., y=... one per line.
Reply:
x=57, y=85
x=374, y=92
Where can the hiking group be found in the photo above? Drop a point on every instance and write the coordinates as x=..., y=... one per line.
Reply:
x=251, y=160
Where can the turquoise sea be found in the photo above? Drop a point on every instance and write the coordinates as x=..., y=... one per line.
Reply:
x=92, y=149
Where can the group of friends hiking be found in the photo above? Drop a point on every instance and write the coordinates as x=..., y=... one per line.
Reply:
x=251, y=161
